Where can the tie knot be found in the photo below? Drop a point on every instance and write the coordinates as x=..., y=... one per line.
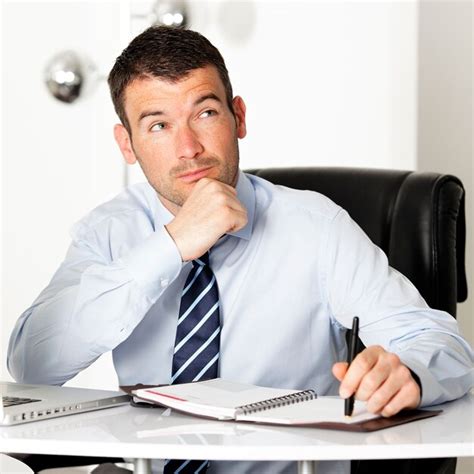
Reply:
x=202, y=260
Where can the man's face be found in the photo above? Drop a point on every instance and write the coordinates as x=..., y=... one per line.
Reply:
x=182, y=132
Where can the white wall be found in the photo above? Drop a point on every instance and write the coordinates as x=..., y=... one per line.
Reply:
x=445, y=118
x=58, y=161
x=445, y=110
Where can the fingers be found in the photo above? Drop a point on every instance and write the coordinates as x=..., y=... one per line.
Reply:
x=360, y=366
x=398, y=391
x=215, y=185
x=339, y=369
x=407, y=397
x=210, y=211
x=235, y=219
x=375, y=378
x=381, y=379
x=215, y=193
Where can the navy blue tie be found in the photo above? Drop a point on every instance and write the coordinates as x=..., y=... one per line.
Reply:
x=196, y=348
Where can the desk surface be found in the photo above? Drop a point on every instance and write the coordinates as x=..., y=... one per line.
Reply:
x=13, y=466
x=158, y=433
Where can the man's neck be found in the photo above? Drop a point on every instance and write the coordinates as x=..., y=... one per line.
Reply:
x=170, y=206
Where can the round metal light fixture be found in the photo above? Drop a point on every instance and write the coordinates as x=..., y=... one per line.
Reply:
x=170, y=13
x=69, y=76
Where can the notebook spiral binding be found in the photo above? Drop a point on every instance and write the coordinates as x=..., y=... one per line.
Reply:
x=277, y=402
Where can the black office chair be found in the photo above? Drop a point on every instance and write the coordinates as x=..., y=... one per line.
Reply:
x=418, y=220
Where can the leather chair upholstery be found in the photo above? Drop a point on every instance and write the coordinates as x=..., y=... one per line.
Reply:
x=417, y=219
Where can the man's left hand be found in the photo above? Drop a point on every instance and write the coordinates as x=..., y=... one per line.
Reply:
x=379, y=378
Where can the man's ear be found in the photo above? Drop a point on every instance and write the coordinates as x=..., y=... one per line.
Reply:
x=124, y=142
x=239, y=114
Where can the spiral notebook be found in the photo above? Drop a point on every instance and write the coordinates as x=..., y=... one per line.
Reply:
x=225, y=400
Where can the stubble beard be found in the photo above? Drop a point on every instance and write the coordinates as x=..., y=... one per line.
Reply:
x=167, y=191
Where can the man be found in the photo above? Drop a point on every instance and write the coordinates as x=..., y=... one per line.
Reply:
x=291, y=267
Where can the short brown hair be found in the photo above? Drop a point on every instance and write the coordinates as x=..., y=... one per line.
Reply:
x=164, y=52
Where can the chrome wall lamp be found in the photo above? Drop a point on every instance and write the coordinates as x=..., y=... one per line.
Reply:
x=69, y=75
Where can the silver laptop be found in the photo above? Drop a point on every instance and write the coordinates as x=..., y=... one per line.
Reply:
x=20, y=403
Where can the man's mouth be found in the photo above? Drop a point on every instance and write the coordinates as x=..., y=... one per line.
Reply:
x=194, y=175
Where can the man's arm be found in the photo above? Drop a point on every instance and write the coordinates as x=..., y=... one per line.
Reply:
x=93, y=304
x=90, y=306
x=402, y=334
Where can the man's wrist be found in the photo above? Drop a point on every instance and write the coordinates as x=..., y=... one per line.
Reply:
x=418, y=381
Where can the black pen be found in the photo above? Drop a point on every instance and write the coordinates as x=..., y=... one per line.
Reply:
x=349, y=402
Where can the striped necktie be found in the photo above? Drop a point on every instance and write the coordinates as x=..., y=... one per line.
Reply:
x=196, y=349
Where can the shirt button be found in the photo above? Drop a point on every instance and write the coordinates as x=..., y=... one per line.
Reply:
x=164, y=282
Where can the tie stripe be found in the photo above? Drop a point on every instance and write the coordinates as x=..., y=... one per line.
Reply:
x=198, y=272
x=203, y=371
x=191, y=359
x=202, y=466
x=196, y=328
x=185, y=466
x=196, y=301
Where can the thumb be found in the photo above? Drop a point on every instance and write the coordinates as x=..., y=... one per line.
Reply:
x=339, y=369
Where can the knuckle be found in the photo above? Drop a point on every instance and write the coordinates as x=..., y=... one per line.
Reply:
x=204, y=182
x=377, y=348
x=362, y=396
x=227, y=212
x=377, y=399
x=212, y=185
x=220, y=198
x=413, y=391
x=389, y=410
x=373, y=405
x=390, y=359
x=369, y=383
x=363, y=363
x=404, y=373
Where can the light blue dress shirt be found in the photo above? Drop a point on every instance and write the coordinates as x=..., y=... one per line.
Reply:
x=289, y=282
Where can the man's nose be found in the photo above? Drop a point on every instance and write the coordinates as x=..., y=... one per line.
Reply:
x=188, y=144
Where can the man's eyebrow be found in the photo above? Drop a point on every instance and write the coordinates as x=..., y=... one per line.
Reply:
x=205, y=97
x=200, y=100
x=150, y=113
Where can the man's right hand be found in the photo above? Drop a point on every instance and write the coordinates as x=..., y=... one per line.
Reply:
x=211, y=210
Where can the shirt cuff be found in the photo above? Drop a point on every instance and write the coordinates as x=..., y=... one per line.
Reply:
x=155, y=263
x=429, y=387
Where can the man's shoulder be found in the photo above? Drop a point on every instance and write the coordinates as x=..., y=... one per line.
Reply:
x=136, y=201
x=278, y=198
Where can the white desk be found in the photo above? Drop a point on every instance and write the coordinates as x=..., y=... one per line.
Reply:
x=13, y=466
x=144, y=434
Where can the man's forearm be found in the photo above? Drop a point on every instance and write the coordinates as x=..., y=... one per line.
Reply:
x=83, y=314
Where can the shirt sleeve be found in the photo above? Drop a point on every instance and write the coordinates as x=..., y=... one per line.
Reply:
x=393, y=314
x=91, y=305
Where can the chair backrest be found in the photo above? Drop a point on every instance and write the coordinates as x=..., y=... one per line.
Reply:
x=416, y=218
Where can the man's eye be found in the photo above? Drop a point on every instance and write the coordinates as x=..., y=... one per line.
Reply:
x=157, y=127
x=208, y=113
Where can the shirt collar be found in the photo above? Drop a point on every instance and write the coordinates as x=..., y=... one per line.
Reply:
x=246, y=195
